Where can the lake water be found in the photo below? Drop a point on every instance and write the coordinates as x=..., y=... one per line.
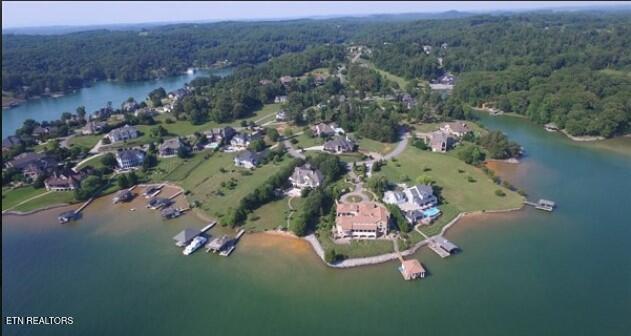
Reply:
x=524, y=273
x=93, y=98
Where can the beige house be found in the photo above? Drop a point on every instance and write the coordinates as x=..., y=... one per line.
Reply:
x=363, y=220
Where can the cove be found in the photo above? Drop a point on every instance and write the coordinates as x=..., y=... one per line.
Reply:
x=93, y=98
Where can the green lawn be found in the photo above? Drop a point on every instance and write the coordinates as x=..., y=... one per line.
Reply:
x=11, y=197
x=203, y=178
x=459, y=194
x=57, y=197
x=390, y=76
x=95, y=162
x=306, y=141
x=357, y=248
x=269, y=217
x=369, y=145
x=184, y=127
x=85, y=141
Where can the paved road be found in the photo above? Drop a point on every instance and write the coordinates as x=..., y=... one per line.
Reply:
x=399, y=148
x=293, y=151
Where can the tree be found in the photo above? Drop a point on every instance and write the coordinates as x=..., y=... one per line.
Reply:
x=158, y=131
x=109, y=160
x=81, y=112
x=150, y=161
x=272, y=134
x=257, y=145
x=398, y=218
x=378, y=184
x=122, y=181
x=471, y=154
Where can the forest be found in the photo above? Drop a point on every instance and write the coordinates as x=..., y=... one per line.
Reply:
x=572, y=69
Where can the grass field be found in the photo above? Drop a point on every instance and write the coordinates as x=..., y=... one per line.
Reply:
x=306, y=141
x=85, y=141
x=456, y=190
x=214, y=189
x=390, y=76
x=269, y=217
x=95, y=162
x=357, y=248
x=11, y=197
x=184, y=127
x=369, y=145
x=57, y=197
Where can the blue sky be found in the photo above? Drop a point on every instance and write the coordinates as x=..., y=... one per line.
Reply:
x=70, y=13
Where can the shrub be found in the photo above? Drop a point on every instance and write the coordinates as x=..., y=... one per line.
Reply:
x=500, y=193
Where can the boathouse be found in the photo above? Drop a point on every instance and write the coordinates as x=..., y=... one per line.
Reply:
x=446, y=245
x=218, y=244
x=184, y=237
x=412, y=269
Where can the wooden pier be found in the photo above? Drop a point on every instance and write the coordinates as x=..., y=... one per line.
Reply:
x=209, y=226
x=542, y=204
x=175, y=195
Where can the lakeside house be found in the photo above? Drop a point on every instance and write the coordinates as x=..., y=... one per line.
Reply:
x=339, y=145
x=457, y=129
x=280, y=99
x=129, y=158
x=178, y=94
x=319, y=79
x=170, y=147
x=427, y=49
x=306, y=177
x=363, y=220
x=122, y=134
x=412, y=269
x=63, y=181
x=93, y=127
x=439, y=141
x=219, y=136
x=26, y=159
x=418, y=203
x=248, y=159
x=149, y=111
x=129, y=106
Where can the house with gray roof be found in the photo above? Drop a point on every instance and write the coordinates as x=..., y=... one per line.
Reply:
x=170, y=147
x=306, y=177
x=440, y=141
x=339, y=145
x=456, y=128
x=122, y=134
x=129, y=158
x=248, y=159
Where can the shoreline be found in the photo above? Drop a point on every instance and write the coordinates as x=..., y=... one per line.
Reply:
x=312, y=240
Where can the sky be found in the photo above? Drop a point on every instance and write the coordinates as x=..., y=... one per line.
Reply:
x=17, y=14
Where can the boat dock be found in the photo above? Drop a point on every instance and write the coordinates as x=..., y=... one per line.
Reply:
x=175, y=195
x=209, y=226
x=239, y=234
x=153, y=190
x=542, y=204
x=443, y=247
